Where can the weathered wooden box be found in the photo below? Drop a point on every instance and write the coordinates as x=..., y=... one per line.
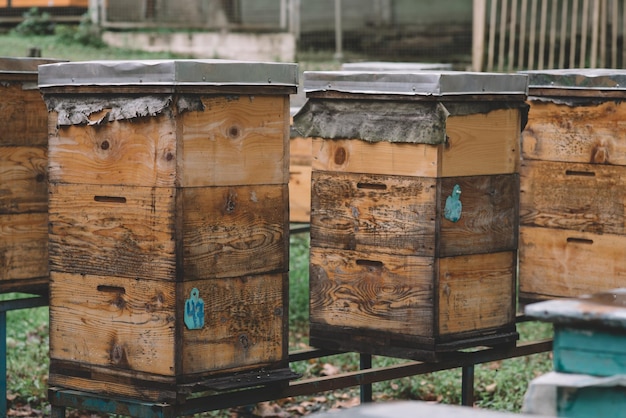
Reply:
x=414, y=210
x=23, y=178
x=572, y=175
x=169, y=224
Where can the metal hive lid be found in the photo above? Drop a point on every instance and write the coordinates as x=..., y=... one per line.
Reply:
x=13, y=65
x=416, y=83
x=169, y=73
x=394, y=66
x=606, y=308
x=577, y=79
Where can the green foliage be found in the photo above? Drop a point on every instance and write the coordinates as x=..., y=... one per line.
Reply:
x=35, y=23
x=299, y=280
x=27, y=353
x=86, y=33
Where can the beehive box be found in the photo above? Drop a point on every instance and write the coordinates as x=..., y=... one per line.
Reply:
x=572, y=176
x=589, y=357
x=23, y=178
x=168, y=224
x=414, y=210
x=301, y=147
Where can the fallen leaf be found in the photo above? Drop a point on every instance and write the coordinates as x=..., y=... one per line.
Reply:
x=347, y=404
x=330, y=370
x=491, y=388
x=495, y=365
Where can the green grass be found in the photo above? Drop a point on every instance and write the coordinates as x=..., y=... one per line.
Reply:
x=27, y=353
x=14, y=45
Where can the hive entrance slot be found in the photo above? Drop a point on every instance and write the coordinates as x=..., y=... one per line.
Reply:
x=110, y=199
x=579, y=240
x=374, y=186
x=580, y=173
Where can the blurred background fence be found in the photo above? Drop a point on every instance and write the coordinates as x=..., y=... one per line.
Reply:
x=544, y=34
x=485, y=35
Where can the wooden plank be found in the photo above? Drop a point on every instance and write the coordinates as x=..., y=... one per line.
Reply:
x=300, y=166
x=573, y=35
x=478, y=34
x=542, y=34
x=356, y=156
x=614, y=13
x=476, y=292
x=233, y=231
x=482, y=144
x=138, y=152
x=602, y=10
x=113, y=231
x=584, y=28
x=553, y=27
x=563, y=36
x=502, y=33
x=23, y=187
x=563, y=263
x=492, y=36
x=23, y=115
x=300, y=151
x=391, y=214
x=300, y=193
x=404, y=215
x=522, y=58
x=577, y=197
x=595, y=34
x=236, y=140
x=113, y=322
x=23, y=247
x=532, y=35
x=512, y=34
x=246, y=320
x=372, y=291
x=489, y=215
x=583, y=134
x=477, y=144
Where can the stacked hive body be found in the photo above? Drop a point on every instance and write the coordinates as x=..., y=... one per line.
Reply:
x=23, y=178
x=589, y=358
x=572, y=175
x=168, y=223
x=300, y=147
x=414, y=209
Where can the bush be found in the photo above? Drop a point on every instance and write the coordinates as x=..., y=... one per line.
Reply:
x=35, y=23
x=86, y=33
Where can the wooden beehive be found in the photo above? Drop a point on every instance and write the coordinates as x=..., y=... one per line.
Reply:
x=572, y=174
x=23, y=178
x=589, y=357
x=400, y=265
x=301, y=147
x=168, y=224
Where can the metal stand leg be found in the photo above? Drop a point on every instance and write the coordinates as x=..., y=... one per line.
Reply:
x=365, y=362
x=467, y=386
